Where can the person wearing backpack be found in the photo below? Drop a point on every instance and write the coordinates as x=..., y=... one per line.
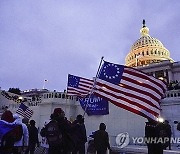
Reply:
x=24, y=135
x=57, y=133
x=6, y=128
x=33, y=138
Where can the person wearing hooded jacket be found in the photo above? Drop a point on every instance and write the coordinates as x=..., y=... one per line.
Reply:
x=101, y=140
x=6, y=125
x=20, y=145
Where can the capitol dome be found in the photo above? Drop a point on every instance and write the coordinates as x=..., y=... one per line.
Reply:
x=146, y=50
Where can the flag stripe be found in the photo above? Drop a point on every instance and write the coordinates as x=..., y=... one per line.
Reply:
x=144, y=79
x=20, y=112
x=74, y=91
x=86, y=81
x=143, y=84
x=130, y=100
x=128, y=107
x=127, y=93
x=140, y=74
x=144, y=91
x=28, y=113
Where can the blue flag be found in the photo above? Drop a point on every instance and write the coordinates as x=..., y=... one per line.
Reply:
x=5, y=127
x=95, y=105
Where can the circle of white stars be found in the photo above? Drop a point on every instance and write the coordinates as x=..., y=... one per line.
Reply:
x=112, y=76
x=72, y=84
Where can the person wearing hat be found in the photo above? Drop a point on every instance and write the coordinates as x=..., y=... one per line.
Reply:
x=80, y=136
x=101, y=140
x=7, y=116
x=6, y=126
x=33, y=138
x=65, y=128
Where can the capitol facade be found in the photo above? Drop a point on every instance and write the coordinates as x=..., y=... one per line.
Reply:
x=147, y=54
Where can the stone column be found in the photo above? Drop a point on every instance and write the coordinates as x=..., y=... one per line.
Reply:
x=170, y=75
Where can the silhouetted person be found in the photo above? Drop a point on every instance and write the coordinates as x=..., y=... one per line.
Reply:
x=79, y=132
x=161, y=134
x=101, y=139
x=152, y=134
x=33, y=137
x=168, y=131
x=66, y=144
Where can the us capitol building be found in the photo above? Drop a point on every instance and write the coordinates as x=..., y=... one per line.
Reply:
x=147, y=54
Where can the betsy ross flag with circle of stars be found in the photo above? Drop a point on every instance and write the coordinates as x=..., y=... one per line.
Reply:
x=130, y=89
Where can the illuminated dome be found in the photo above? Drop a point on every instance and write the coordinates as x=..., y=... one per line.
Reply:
x=146, y=50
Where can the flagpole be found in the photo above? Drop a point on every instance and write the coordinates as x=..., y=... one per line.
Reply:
x=44, y=84
x=93, y=85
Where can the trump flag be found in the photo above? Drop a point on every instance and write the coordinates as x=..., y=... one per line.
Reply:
x=94, y=105
x=130, y=89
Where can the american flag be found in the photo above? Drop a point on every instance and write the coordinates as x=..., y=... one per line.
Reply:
x=24, y=111
x=79, y=86
x=130, y=89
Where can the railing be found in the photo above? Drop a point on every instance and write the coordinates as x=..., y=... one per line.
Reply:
x=173, y=93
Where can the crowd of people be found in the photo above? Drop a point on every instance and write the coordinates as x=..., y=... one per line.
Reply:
x=20, y=136
x=17, y=135
x=63, y=136
x=158, y=136
x=10, y=97
x=173, y=85
x=71, y=136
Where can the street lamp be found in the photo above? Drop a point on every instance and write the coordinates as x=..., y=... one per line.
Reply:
x=160, y=119
x=20, y=99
